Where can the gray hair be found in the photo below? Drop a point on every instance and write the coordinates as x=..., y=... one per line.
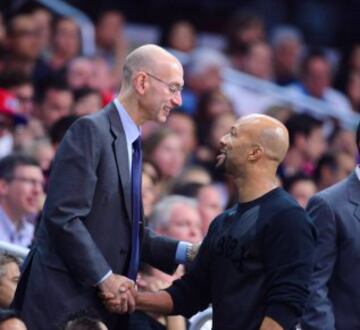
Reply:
x=5, y=259
x=160, y=216
x=201, y=59
x=285, y=33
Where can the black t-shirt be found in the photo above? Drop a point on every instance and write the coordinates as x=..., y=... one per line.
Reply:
x=255, y=261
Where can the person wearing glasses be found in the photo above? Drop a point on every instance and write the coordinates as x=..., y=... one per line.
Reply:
x=91, y=236
x=21, y=191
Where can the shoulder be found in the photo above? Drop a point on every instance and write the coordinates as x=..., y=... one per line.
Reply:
x=287, y=212
x=333, y=193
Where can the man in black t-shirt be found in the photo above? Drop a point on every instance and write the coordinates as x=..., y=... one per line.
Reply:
x=255, y=263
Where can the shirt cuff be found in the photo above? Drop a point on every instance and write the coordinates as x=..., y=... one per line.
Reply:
x=104, y=277
x=283, y=314
x=180, y=256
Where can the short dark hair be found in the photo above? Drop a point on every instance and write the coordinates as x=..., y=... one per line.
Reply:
x=188, y=189
x=5, y=259
x=328, y=160
x=314, y=53
x=301, y=124
x=59, y=128
x=290, y=181
x=9, y=163
x=53, y=83
x=14, y=78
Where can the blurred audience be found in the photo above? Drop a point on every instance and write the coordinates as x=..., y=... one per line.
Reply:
x=9, y=277
x=317, y=74
x=302, y=187
x=333, y=167
x=21, y=192
x=307, y=144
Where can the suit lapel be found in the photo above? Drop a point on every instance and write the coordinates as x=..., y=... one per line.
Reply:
x=121, y=155
x=354, y=193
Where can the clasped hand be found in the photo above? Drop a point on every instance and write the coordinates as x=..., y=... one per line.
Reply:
x=118, y=294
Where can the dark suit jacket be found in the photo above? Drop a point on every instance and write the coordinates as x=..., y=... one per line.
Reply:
x=335, y=290
x=85, y=230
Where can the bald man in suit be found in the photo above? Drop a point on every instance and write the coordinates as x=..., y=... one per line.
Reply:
x=87, y=245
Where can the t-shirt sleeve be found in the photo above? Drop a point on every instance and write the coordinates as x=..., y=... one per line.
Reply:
x=289, y=245
x=192, y=292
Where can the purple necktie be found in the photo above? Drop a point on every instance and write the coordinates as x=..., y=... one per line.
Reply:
x=136, y=205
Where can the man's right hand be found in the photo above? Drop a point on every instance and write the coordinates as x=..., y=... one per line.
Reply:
x=118, y=294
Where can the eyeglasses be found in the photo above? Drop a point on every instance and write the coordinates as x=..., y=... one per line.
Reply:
x=33, y=182
x=174, y=88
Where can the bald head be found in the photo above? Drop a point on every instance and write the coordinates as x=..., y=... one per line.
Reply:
x=268, y=133
x=146, y=58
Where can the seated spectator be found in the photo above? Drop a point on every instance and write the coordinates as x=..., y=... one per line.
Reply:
x=244, y=28
x=184, y=126
x=342, y=140
x=287, y=43
x=164, y=149
x=43, y=18
x=177, y=217
x=66, y=44
x=301, y=187
x=110, y=35
x=23, y=44
x=180, y=39
x=86, y=101
x=209, y=199
x=59, y=128
x=79, y=72
x=21, y=85
x=203, y=73
x=211, y=104
x=9, y=277
x=332, y=168
x=9, y=320
x=316, y=81
x=21, y=191
x=257, y=62
x=55, y=102
x=307, y=144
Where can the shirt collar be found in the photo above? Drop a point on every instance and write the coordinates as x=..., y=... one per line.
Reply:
x=10, y=226
x=132, y=131
x=357, y=171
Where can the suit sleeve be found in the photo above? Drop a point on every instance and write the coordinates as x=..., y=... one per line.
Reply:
x=70, y=199
x=319, y=312
x=159, y=251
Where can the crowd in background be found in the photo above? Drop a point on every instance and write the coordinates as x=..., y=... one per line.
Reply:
x=46, y=84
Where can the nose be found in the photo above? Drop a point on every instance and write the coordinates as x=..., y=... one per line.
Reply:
x=177, y=99
x=222, y=141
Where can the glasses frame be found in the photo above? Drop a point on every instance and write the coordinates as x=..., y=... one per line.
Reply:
x=174, y=88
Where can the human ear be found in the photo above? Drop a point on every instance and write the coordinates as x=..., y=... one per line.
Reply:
x=140, y=82
x=255, y=152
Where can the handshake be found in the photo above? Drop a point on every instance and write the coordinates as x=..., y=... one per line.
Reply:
x=118, y=294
